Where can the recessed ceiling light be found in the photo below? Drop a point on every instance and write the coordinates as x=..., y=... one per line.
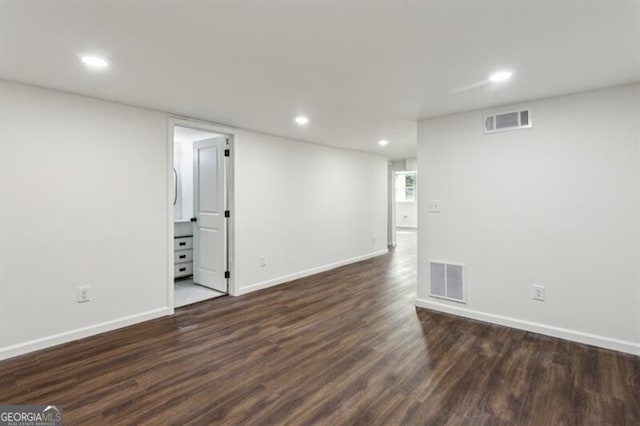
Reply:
x=301, y=120
x=500, y=76
x=95, y=61
x=383, y=142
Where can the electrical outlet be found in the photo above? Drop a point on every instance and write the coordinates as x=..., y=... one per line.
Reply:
x=433, y=206
x=373, y=239
x=83, y=294
x=538, y=292
x=263, y=260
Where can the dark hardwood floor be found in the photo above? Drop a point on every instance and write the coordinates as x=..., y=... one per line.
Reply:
x=343, y=347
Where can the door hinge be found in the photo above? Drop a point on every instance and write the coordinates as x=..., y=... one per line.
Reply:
x=194, y=219
x=227, y=152
x=227, y=274
x=227, y=213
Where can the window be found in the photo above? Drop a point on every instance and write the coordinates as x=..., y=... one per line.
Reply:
x=406, y=187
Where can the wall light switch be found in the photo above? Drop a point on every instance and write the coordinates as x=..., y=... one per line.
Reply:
x=538, y=292
x=433, y=206
x=83, y=294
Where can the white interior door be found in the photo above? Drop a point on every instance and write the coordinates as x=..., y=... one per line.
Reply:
x=209, y=204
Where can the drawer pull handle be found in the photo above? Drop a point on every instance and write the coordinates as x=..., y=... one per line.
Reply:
x=182, y=256
x=183, y=244
x=183, y=269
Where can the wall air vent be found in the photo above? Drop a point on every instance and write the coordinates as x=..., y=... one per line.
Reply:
x=507, y=121
x=447, y=281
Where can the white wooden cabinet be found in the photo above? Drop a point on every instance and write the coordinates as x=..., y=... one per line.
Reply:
x=183, y=257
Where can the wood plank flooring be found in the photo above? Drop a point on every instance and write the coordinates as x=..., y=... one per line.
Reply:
x=343, y=347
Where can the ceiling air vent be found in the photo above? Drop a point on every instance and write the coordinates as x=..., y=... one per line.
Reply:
x=447, y=281
x=507, y=121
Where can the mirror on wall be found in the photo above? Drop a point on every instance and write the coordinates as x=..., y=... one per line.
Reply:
x=183, y=192
x=175, y=186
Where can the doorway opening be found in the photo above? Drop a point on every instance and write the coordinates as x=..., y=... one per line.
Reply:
x=406, y=197
x=200, y=190
x=403, y=202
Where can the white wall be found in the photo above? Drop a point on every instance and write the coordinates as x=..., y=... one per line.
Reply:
x=305, y=207
x=84, y=200
x=557, y=205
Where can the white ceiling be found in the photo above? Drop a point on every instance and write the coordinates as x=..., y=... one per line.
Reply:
x=362, y=70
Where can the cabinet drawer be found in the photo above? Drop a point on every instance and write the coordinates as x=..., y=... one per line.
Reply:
x=181, y=256
x=183, y=243
x=183, y=270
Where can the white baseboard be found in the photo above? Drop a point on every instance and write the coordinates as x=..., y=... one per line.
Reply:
x=79, y=333
x=562, y=333
x=302, y=274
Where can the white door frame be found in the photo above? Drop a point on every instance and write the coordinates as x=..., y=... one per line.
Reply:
x=391, y=208
x=231, y=134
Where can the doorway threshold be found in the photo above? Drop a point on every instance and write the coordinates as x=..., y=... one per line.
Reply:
x=187, y=292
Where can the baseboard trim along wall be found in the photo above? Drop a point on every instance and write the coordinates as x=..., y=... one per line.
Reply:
x=80, y=333
x=562, y=333
x=302, y=274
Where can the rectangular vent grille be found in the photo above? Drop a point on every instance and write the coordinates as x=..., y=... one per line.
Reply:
x=447, y=281
x=507, y=121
